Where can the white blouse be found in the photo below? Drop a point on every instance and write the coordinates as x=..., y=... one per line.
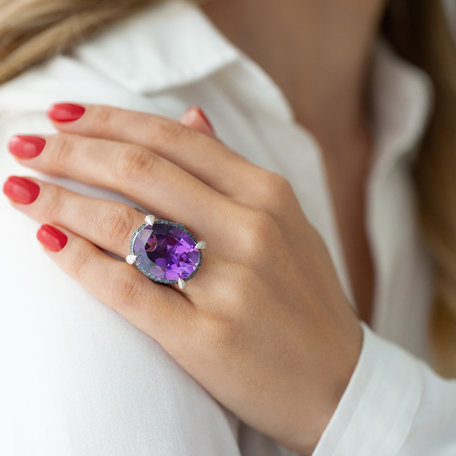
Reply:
x=78, y=379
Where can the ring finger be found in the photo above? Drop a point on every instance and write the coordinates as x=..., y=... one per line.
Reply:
x=107, y=224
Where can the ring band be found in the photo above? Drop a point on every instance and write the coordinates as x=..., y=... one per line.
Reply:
x=166, y=252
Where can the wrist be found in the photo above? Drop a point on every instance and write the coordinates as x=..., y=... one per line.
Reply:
x=333, y=387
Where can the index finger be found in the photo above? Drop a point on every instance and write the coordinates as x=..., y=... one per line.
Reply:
x=208, y=159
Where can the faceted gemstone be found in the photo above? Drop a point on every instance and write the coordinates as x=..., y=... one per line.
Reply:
x=166, y=251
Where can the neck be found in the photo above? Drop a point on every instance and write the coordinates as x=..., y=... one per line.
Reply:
x=316, y=51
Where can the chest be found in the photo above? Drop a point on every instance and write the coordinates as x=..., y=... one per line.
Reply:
x=348, y=180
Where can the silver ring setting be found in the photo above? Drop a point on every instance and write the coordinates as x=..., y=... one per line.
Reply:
x=166, y=252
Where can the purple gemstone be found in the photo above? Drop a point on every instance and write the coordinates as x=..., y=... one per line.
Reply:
x=166, y=251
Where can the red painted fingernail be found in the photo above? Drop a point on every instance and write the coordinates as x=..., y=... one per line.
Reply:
x=204, y=117
x=65, y=112
x=21, y=190
x=52, y=238
x=26, y=146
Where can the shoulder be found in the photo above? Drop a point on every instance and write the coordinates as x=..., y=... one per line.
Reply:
x=162, y=47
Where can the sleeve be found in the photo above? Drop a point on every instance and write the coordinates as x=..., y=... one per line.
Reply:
x=394, y=405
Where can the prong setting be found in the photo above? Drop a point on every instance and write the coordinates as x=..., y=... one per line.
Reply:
x=150, y=219
x=131, y=259
x=182, y=284
x=143, y=262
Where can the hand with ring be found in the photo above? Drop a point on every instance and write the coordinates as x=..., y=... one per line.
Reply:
x=258, y=317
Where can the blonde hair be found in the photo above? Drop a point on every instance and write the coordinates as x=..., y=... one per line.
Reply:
x=34, y=30
x=420, y=32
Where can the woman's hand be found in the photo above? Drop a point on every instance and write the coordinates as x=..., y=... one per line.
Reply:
x=264, y=326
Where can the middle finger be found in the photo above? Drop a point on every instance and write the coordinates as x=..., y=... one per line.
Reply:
x=159, y=185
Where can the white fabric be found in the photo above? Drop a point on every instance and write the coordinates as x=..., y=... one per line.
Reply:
x=450, y=12
x=77, y=379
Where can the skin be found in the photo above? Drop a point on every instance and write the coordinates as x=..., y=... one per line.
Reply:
x=277, y=346
x=303, y=44
x=278, y=356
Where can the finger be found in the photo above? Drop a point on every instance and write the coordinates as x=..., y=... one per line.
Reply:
x=107, y=224
x=202, y=156
x=159, y=311
x=166, y=190
x=196, y=119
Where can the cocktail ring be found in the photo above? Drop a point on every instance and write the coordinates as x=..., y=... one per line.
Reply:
x=166, y=252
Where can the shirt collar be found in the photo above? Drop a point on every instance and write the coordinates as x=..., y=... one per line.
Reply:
x=166, y=45
x=173, y=43
x=401, y=101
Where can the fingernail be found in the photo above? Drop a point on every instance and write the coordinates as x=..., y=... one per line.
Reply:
x=21, y=190
x=26, y=146
x=204, y=117
x=65, y=112
x=52, y=238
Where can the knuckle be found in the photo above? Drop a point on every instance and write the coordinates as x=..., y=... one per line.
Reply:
x=167, y=130
x=54, y=202
x=280, y=184
x=62, y=150
x=240, y=293
x=101, y=115
x=257, y=232
x=123, y=289
x=273, y=189
x=79, y=264
x=116, y=225
x=134, y=163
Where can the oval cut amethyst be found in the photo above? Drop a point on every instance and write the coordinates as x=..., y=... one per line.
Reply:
x=166, y=251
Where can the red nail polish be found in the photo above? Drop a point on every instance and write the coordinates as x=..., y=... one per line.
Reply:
x=21, y=190
x=66, y=112
x=26, y=146
x=52, y=238
x=204, y=117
